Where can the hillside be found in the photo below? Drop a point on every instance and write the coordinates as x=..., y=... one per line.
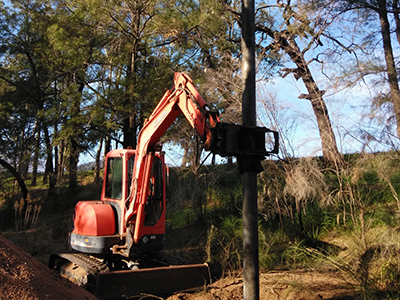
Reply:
x=23, y=277
x=311, y=253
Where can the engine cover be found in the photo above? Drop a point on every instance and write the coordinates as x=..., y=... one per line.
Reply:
x=94, y=218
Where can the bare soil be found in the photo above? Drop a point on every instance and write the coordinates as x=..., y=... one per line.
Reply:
x=24, y=277
x=279, y=285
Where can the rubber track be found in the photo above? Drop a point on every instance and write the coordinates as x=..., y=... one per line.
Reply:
x=91, y=264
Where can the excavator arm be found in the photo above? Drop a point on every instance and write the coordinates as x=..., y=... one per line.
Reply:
x=225, y=139
x=182, y=98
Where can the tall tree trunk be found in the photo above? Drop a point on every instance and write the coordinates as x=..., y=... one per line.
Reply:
x=56, y=161
x=107, y=146
x=23, y=157
x=390, y=63
x=328, y=140
x=74, y=152
x=73, y=159
x=129, y=129
x=396, y=12
x=97, y=163
x=129, y=123
x=36, y=152
x=61, y=161
x=49, y=159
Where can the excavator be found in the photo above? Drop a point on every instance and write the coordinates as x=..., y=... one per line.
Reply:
x=116, y=241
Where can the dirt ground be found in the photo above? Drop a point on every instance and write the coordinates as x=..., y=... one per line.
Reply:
x=279, y=285
x=23, y=277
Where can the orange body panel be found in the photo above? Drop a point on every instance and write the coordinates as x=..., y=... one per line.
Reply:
x=93, y=218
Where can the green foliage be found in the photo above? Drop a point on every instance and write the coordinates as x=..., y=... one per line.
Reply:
x=210, y=194
x=179, y=218
x=322, y=219
x=271, y=246
x=294, y=256
x=382, y=214
x=225, y=244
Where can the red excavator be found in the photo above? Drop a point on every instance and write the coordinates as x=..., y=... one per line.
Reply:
x=117, y=238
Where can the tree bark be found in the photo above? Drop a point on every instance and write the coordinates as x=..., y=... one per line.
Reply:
x=23, y=157
x=396, y=13
x=56, y=156
x=328, y=140
x=73, y=164
x=36, y=152
x=97, y=163
x=107, y=146
x=49, y=160
x=61, y=161
x=74, y=151
x=390, y=63
x=129, y=129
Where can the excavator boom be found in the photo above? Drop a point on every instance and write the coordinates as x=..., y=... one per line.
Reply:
x=182, y=98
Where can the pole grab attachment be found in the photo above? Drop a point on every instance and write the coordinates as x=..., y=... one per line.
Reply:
x=238, y=140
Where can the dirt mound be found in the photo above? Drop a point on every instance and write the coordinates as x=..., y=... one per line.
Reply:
x=23, y=277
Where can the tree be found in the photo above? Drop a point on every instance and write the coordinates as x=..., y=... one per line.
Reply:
x=382, y=9
x=26, y=74
x=284, y=37
x=361, y=28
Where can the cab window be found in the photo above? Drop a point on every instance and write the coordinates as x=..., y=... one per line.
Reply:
x=114, y=178
x=154, y=205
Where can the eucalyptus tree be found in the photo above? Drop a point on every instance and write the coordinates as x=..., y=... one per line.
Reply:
x=295, y=32
x=288, y=32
